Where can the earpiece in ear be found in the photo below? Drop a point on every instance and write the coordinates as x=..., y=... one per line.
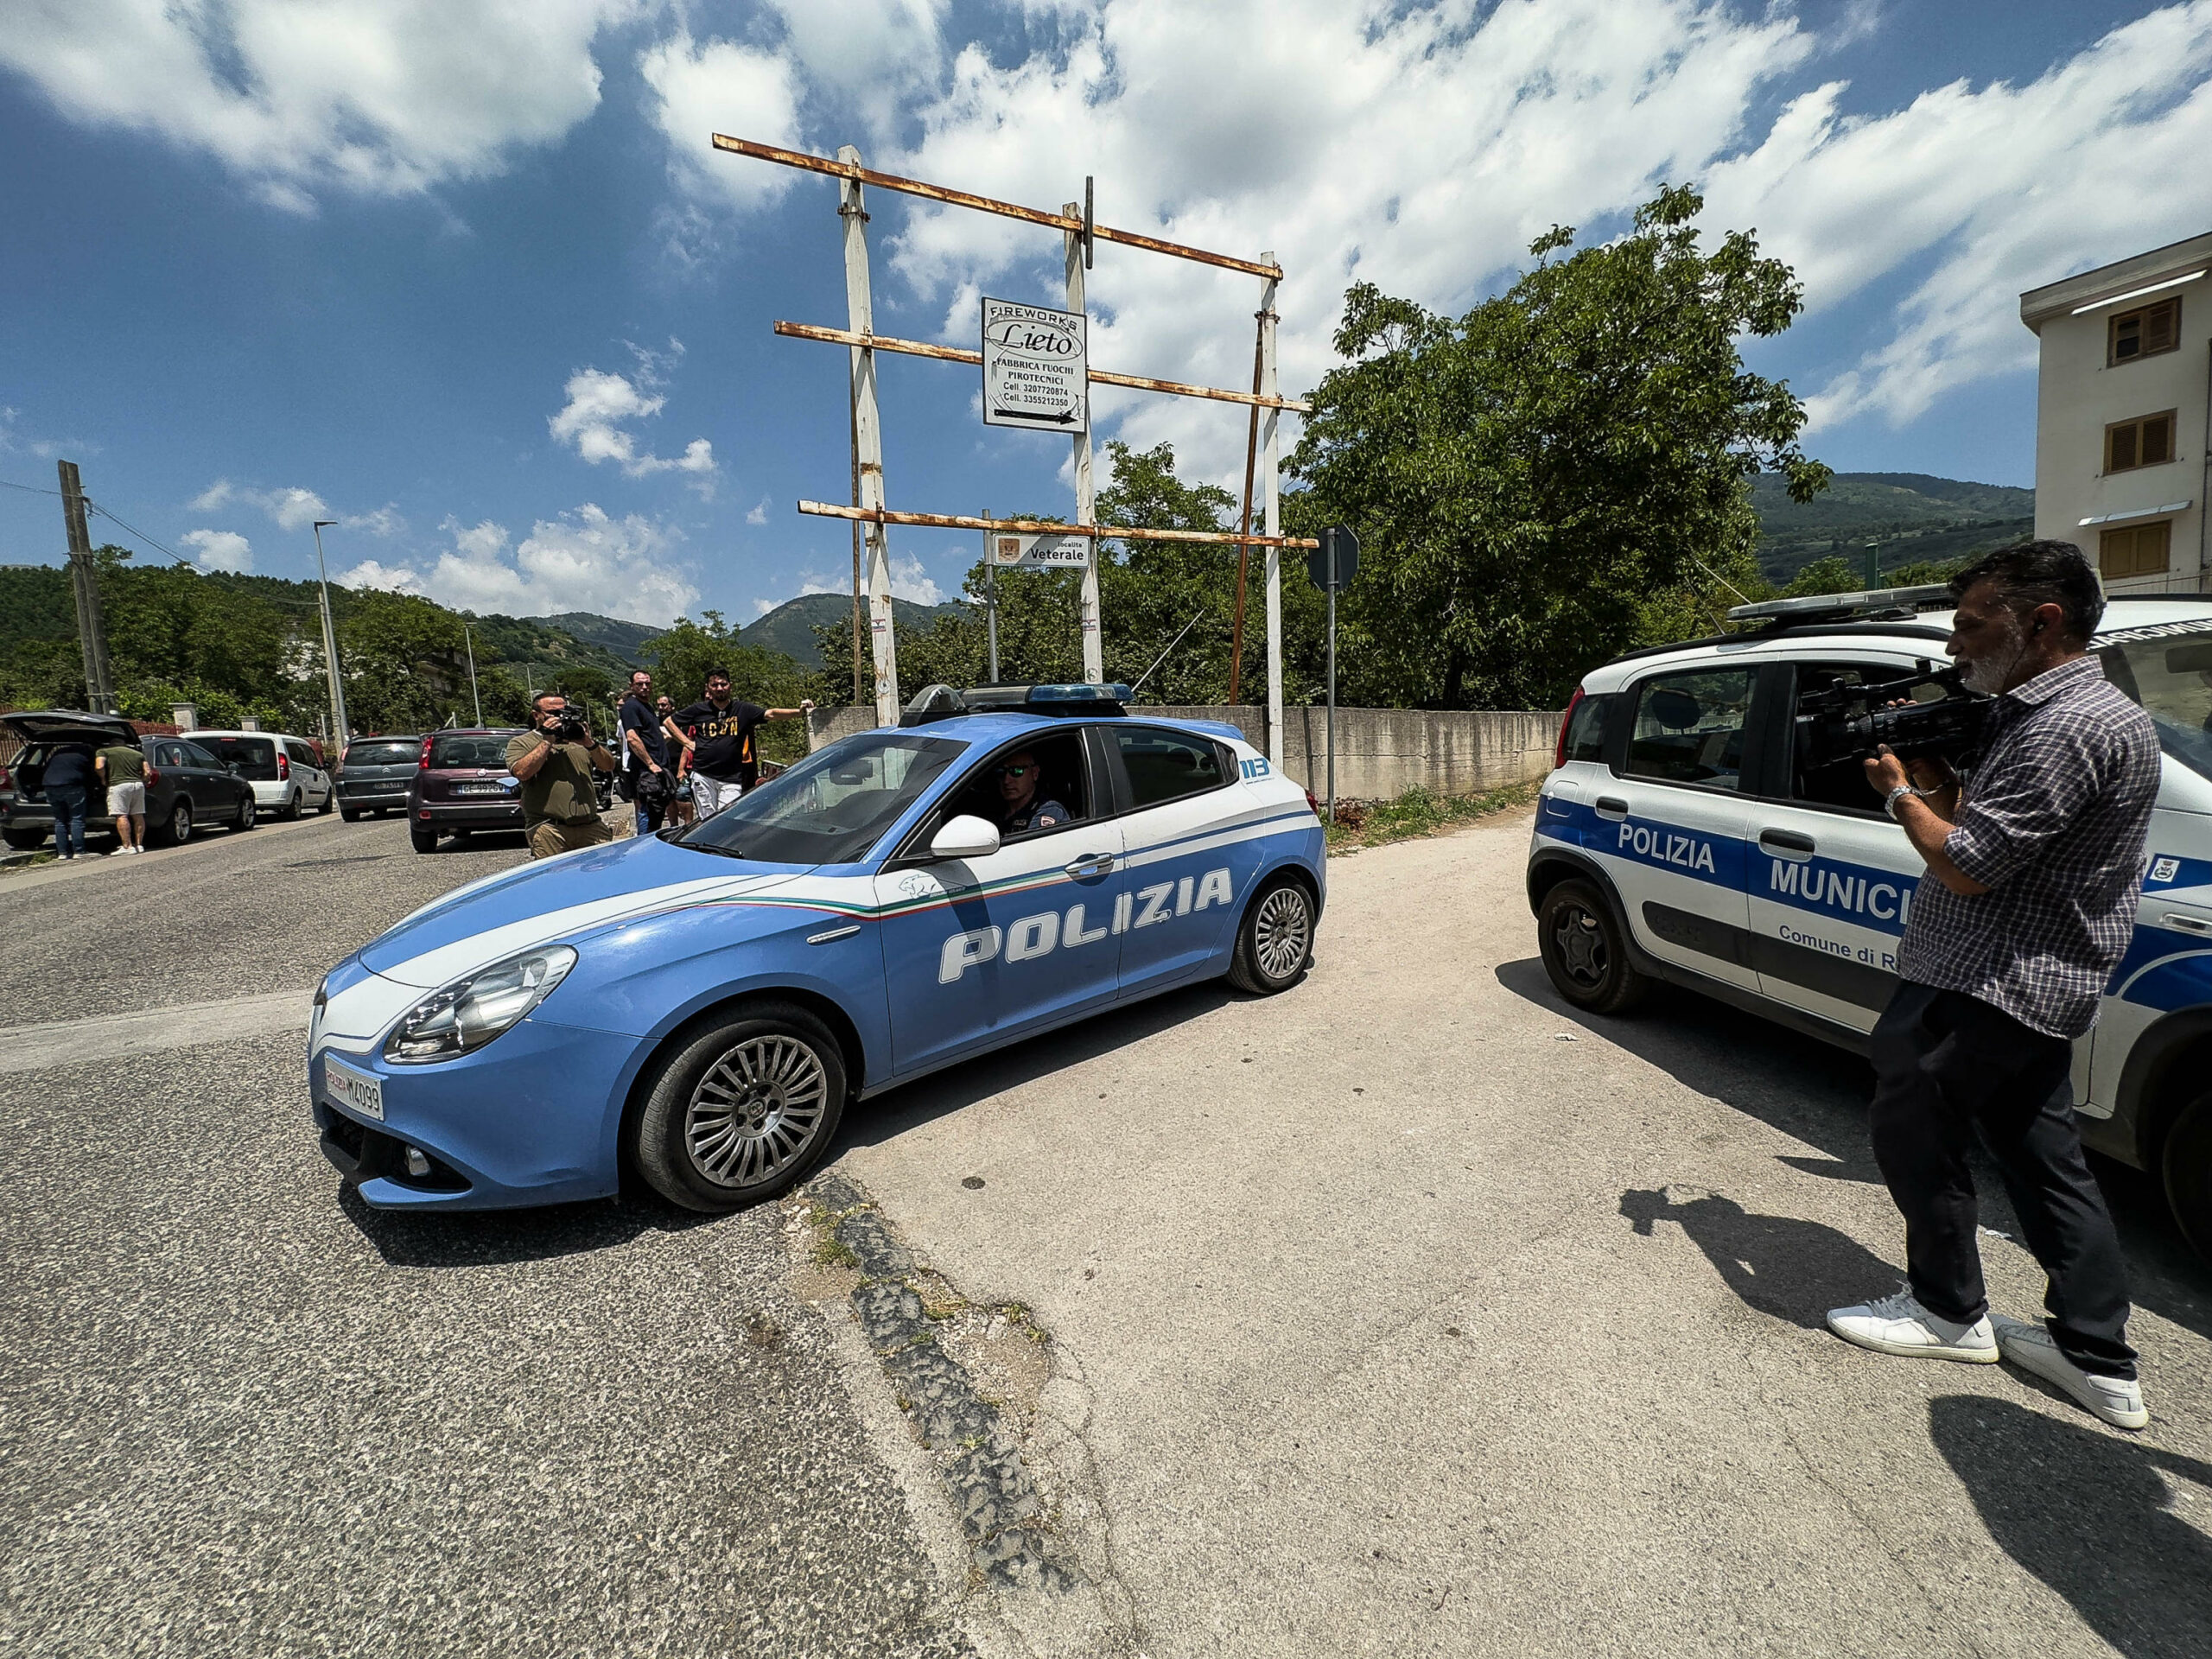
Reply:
x=2038, y=626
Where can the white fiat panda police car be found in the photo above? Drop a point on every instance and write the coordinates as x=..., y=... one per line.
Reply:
x=1693, y=832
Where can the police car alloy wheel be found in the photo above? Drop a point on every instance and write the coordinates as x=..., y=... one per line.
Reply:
x=2187, y=1167
x=1275, y=940
x=742, y=1111
x=1582, y=949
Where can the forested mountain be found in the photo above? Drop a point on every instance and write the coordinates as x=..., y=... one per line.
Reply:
x=789, y=627
x=1917, y=519
x=250, y=644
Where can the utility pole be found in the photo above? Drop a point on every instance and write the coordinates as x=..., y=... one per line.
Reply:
x=1243, y=550
x=1272, y=515
x=341, y=727
x=92, y=636
x=1094, y=662
x=859, y=628
x=475, y=696
x=991, y=599
x=868, y=443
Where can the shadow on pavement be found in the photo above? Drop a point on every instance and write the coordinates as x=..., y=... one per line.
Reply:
x=488, y=1237
x=1817, y=1093
x=1782, y=1267
x=2087, y=1511
x=958, y=1086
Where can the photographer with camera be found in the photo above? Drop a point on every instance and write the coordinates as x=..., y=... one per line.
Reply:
x=2034, y=870
x=554, y=762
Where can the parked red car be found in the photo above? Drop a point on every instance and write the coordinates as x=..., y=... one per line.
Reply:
x=462, y=785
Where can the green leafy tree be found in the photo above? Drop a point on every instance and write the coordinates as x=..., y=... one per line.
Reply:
x=1560, y=473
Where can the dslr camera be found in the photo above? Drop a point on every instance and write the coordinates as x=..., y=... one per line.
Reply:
x=1936, y=717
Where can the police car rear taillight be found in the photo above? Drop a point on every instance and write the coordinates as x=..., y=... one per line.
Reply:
x=1559, y=750
x=1313, y=804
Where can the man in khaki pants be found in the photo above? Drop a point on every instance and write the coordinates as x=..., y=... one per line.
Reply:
x=554, y=763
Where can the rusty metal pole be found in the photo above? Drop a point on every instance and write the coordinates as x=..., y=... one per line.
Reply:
x=1245, y=526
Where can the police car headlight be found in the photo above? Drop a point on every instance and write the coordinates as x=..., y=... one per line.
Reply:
x=462, y=1017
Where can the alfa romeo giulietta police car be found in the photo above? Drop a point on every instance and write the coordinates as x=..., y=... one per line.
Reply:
x=699, y=1007
x=1688, y=835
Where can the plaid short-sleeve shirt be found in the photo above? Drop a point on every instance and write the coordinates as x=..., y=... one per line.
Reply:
x=2053, y=823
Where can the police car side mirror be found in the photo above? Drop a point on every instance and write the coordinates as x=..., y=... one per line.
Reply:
x=965, y=836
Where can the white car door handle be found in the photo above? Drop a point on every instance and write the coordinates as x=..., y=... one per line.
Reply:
x=1611, y=806
x=1091, y=864
x=2186, y=924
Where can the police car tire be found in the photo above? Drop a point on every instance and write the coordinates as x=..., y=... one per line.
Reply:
x=1247, y=967
x=657, y=1146
x=1614, y=985
x=2186, y=1164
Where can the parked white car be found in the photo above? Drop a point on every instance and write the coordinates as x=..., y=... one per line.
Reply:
x=286, y=778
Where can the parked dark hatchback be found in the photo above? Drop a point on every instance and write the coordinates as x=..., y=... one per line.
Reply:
x=462, y=785
x=374, y=773
x=186, y=788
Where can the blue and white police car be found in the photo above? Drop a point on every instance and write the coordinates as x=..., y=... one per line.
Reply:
x=1690, y=833
x=698, y=1007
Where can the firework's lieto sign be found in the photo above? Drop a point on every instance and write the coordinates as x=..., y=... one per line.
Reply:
x=1009, y=551
x=1036, y=367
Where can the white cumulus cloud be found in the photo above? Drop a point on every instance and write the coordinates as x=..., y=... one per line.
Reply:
x=584, y=560
x=1994, y=190
x=702, y=88
x=594, y=421
x=759, y=513
x=375, y=97
x=908, y=581
x=219, y=550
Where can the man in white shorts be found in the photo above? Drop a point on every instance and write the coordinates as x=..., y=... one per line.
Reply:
x=122, y=769
x=717, y=732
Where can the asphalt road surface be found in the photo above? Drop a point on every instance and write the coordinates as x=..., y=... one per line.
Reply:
x=1414, y=1315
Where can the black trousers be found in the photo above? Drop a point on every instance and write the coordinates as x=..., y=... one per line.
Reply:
x=1945, y=1065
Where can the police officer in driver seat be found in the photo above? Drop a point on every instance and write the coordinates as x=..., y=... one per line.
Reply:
x=1019, y=809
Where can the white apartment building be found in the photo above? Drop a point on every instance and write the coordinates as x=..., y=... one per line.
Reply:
x=2123, y=407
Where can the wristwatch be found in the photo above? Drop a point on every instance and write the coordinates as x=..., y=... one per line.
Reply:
x=1890, y=801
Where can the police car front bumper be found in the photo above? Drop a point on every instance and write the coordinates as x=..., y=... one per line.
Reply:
x=531, y=1118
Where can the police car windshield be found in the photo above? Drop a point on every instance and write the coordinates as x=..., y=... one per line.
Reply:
x=832, y=806
x=2168, y=669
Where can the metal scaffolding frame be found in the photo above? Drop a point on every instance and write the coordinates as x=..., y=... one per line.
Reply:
x=1080, y=231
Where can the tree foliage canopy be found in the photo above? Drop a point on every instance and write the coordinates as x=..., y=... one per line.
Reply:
x=1557, y=475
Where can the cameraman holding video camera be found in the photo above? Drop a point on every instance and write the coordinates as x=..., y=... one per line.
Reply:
x=2034, y=869
x=555, y=762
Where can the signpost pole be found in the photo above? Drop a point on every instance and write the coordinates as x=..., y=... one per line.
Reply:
x=1274, y=520
x=991, y=599
x=1094, y=659
x=868, y=443
x=1329, y=542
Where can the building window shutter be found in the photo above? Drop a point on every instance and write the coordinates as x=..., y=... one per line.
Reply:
x=2120, y=447
x=2135, y=549
x=2144, y=332
x=2158, y=439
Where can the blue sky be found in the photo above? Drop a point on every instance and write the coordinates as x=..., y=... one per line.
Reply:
x=466, y=280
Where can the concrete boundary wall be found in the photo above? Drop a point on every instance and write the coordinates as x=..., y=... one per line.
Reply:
x=1381, y=753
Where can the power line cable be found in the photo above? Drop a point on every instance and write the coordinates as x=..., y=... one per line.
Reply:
x=140, y=534
x=28, y=489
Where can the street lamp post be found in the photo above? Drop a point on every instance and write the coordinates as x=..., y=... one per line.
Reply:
x=343, y=729
x=475, y=696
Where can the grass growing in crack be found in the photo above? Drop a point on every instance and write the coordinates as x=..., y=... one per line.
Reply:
x=831, y=1251
x=1419, y=811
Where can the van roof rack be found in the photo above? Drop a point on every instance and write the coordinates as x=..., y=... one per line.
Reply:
x=1829, y=607
x=934, y=703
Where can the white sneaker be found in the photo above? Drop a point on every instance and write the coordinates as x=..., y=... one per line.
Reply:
x=1899, y=1325
x=2118, y=1401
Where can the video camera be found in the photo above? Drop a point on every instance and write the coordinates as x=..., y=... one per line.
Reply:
x=572, y=728
x=1938, y=718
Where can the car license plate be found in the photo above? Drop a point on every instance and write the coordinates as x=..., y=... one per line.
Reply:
x=480, y=789
x=354, y=1091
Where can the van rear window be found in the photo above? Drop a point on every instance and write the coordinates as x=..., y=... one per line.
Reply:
x=453, y=751
x=254, y=757
x=386, y=755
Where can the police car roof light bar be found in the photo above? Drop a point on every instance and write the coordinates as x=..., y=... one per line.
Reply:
x=934, y=703
x=1826, y=607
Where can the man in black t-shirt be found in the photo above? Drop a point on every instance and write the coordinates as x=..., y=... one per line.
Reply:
x=646, y=781
x=718, y=733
